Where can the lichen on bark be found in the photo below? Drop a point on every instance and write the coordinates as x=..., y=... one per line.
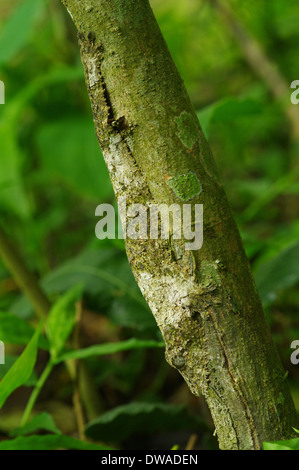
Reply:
x=205, y=301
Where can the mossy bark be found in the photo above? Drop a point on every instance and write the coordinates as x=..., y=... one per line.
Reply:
x=205, y=302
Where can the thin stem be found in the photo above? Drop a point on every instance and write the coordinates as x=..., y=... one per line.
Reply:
x=78, y=408
x=191, y=442
x=24, y=278
x=36, y=391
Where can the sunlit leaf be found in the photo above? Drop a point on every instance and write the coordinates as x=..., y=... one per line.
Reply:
x=21, y=370
x=110, y=348
x=292, y=444
x=61, y=320
x=10, y=359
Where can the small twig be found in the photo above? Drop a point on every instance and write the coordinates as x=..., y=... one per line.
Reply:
x=79, y=413
x=36, y=391
x=191, y=442
x=23, y=277
x=78, y=408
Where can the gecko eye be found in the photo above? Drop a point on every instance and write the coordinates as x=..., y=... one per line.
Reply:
x=179, y=362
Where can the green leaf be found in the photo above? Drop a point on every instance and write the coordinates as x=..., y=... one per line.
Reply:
x=73, y=140
x=126, y=312
x=110, y=348
x=108, y=279
x=12, y=192
x=231, y=109
x=61, y=320
x=13, y=195
x=10, y=359
x=278, y=273
x=48, y=442
x=227, y=110
x=292, y=444
x=40, y=422
x=18, y=28
x=21, y=370
x=15, y=330
x=99, y=270
x=136, y=417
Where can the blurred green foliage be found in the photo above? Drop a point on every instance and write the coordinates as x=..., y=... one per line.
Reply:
x=52, y=177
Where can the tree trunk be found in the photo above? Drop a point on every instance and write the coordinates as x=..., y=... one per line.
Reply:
x=205, y=301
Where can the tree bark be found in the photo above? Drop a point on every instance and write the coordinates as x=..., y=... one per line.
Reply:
x=205, y=301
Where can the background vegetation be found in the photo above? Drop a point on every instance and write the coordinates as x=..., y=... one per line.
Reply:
x=100, y=366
